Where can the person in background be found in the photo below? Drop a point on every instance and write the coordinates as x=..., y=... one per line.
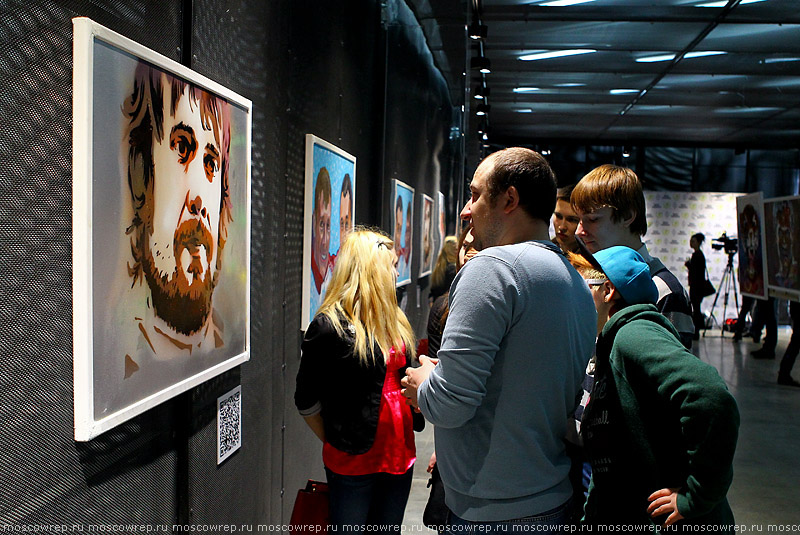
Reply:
x=610, y=204
x=697, y=278
x=354, y=354
x=445, y=269
x=790, y=356
x=767, y=315
x=440, y=308
x=565, y=221
x=660, y=427
x=436, y=322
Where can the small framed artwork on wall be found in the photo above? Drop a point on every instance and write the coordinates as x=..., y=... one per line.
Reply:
x=427, y=242
x=403, y=223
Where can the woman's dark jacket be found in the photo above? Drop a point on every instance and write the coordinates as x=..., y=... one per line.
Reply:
x=333, y=381
x=697, y=272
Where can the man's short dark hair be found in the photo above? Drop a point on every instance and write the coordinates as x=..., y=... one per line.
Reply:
x=530, y=174
x=347, y=187
x=563, y=194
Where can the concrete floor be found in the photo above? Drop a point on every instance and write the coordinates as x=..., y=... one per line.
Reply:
x=764, y=492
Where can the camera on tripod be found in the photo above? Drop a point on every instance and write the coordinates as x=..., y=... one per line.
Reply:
x=730, y=245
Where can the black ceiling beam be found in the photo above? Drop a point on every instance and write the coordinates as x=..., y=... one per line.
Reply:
x=579, y=13
x=517, y=76
x=678, y=58
x=511, y=141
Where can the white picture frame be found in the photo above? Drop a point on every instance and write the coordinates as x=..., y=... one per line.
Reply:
x=127, y=329
x=427, y=241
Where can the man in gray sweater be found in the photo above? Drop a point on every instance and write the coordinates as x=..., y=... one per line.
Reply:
x=520, y=331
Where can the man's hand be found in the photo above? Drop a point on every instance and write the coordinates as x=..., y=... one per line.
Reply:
x=662, y=502
x=415, y=377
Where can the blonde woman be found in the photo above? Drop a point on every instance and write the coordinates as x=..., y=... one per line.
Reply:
x=354, y=354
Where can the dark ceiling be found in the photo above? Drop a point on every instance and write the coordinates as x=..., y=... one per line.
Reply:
x=734, y=79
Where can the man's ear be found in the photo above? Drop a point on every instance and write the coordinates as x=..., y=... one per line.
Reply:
x=511, y=198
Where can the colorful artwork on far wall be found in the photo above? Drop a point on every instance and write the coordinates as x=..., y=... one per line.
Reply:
x=402, y=225
x=752, y=253
x=781, y=221
x=330, y=197
x=161, y=228
x=427, y=242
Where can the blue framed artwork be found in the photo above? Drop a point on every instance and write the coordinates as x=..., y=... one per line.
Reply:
x=402, y=229
x=330, y=200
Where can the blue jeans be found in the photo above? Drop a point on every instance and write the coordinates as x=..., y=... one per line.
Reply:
x=369, y=500
x=538, y=524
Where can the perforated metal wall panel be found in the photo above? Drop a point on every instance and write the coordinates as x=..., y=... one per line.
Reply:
x=308, y=67
x=128, y=474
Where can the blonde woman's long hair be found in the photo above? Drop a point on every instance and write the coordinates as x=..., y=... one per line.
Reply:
x=448, y=255
x=361, y=293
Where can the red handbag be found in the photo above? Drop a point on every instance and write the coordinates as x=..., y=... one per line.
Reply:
x=311, y=511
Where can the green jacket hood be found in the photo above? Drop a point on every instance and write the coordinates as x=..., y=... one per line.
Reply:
x=635, y=312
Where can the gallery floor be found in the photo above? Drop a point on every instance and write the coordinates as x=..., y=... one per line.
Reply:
x=766, y=466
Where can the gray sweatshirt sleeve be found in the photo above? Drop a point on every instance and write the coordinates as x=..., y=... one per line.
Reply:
x=483, y=298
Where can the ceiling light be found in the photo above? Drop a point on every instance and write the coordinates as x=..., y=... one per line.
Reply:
x=688, y=55
x=563, y=3
x=556, y=54
x=482, y=91
x=653, y=59
x=485, y=136
x=481, y=63
x=704, y=53
x=525, y=89
x=523, y=110
x=545, y=152
x=482, y=109
x=779, y=60
x=626, y=152
x=570, y=84
x=478, y=31
x=623, y=91
x=724, y=3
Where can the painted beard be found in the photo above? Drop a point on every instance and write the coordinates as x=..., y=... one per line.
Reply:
x=182, y=304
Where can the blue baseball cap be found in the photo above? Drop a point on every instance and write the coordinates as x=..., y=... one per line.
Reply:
x=628, y=272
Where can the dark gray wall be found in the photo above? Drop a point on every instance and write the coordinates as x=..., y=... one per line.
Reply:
x=308, y=67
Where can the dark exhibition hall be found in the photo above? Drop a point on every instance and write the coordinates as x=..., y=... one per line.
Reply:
x=400, y=265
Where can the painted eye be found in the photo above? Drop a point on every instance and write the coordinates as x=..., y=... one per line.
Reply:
x=211, y=166
x=182, y=146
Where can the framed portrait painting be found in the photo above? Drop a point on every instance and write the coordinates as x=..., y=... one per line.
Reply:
x=752, y=253
x=161, y=228
x=781, y=221
x=402, y=225
x=330, y=195
x=427, y=241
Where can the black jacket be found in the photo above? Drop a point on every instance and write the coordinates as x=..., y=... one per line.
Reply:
x=332, y=380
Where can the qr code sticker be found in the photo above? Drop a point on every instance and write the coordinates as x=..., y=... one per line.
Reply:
x=229, y=423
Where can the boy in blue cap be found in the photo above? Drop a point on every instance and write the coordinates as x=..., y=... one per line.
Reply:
x=660, y=427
